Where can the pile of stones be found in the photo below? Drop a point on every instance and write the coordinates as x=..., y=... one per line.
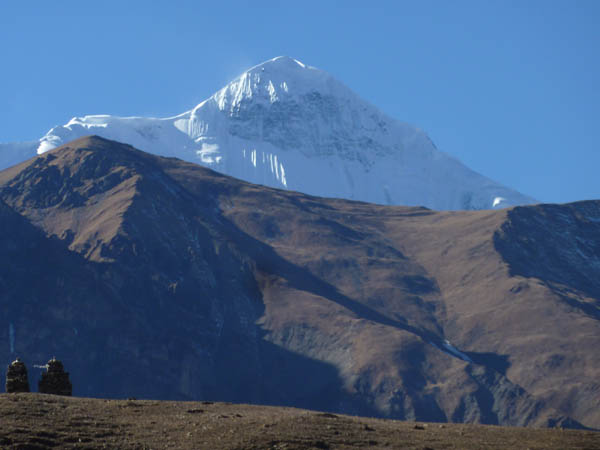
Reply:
x=16, y=377
x=55, y=380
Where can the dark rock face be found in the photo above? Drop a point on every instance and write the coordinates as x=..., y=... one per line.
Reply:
x=156, y=278
x=563, y=240
x=55, y=380
x=16, y=377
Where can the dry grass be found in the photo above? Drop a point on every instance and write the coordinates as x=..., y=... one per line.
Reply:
x=39, y=421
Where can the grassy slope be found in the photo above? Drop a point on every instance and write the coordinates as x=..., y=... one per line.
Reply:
x=39, y=421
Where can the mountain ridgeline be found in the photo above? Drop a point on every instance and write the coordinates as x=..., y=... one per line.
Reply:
x=291, y=126
x=152, y=277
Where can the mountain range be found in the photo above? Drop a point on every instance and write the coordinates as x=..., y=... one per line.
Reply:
x=153, y=277
x=291, y=126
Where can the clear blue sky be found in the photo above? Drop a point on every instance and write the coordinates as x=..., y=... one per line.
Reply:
x=511, y=88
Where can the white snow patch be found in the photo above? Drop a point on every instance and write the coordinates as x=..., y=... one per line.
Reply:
x=88, y=122
x=456, y=352
x=209, y=154
x=497, y=201
x=452, y=351
x=48, y=143
x=272, y=92
x=282, y=170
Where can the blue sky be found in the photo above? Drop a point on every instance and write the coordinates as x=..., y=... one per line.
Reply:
x=512, y=89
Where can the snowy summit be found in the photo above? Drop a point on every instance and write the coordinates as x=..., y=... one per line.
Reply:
x=288, y=125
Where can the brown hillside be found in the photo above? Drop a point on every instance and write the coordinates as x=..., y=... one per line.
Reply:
x=176, y=282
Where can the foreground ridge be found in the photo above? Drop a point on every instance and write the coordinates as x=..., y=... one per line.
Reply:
x=47, y=421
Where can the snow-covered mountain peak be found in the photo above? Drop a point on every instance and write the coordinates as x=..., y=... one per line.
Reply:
x=282, y=61
x=272, y=81
x=286, y=124
x=290, y=106
x=285, y=65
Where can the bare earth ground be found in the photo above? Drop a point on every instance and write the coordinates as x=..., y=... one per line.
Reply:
x=40, y=421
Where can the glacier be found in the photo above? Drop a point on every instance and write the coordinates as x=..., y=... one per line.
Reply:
x=288, y=125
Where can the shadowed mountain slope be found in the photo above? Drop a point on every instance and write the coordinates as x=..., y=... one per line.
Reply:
x=157, y=278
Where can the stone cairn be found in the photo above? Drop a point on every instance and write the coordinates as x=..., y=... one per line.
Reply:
x=55, y=380
x=16, y=377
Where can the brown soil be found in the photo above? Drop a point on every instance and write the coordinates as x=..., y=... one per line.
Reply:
x=40, y=421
